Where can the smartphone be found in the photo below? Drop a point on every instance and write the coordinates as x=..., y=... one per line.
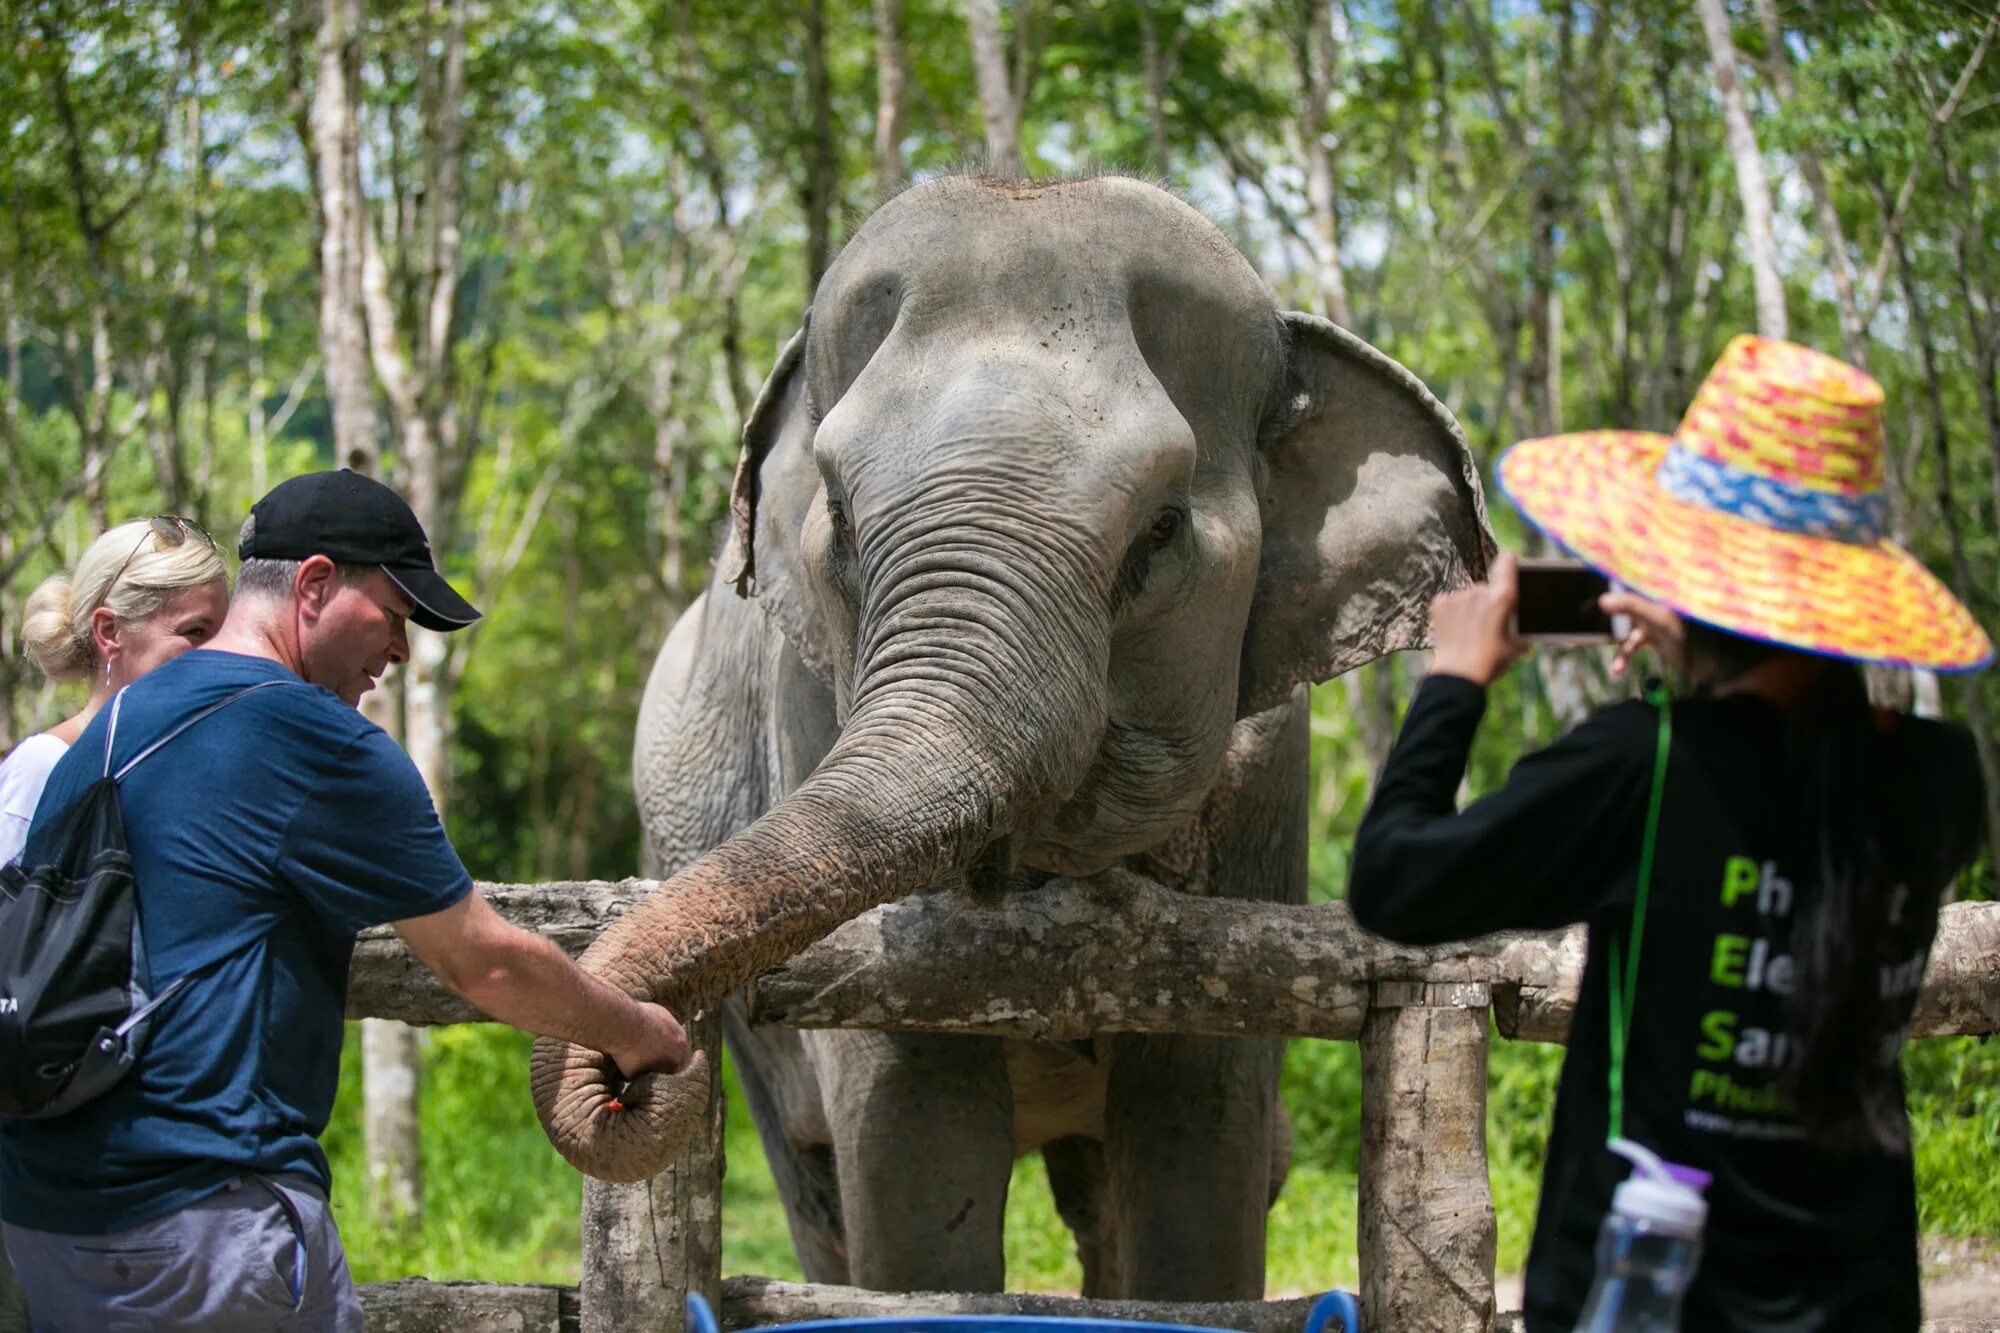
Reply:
x=1558, y=603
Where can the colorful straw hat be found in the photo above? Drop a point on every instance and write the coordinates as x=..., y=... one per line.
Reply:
x=1763, y=514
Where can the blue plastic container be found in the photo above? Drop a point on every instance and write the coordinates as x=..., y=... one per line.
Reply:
x=1335, y=1312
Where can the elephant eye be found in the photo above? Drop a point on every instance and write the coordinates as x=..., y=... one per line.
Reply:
x=836, y=513
x=1167, y=526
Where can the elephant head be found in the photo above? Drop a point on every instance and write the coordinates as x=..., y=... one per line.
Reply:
x=1051, y=493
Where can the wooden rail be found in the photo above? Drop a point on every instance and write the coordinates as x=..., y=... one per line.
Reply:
x=417, y=1305
x=1116, y=953
x=1119, y=953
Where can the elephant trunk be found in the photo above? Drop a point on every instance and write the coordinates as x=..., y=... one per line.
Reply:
x=913, y=790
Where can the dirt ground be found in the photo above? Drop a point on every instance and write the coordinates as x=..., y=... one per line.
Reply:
x=1961, y=1277
x=1961, y=1280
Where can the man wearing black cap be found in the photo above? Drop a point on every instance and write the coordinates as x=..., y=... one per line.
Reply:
x=193, y=1194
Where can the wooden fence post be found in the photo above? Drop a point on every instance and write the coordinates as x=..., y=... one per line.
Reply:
x=1427, y=1233
x=645, y=1246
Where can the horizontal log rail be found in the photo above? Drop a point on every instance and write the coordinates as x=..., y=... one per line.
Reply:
x=415, y=1305
x=1119, y=953
x=419, y=1305
x=756, y=1302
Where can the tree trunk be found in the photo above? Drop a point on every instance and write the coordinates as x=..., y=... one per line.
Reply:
x=890, y=97
x=1156, y=64
x=1967, y=244
x=196, y=297
x=390, y=1069
x=337, y=156
x=822, y=165
x=1750, y=183
x=411, y=337
x=1318, y=54
x=357, y=327
x=996, y=92
x=1853, y=333
x=260, y=384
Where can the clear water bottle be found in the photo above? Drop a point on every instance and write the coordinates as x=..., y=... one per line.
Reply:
x=1647, y=1247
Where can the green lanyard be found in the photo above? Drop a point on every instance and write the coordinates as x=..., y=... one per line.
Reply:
x=1625, y=972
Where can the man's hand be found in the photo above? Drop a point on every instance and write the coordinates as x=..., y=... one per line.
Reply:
x=660, y=1046
x=1472, y=629
x=1653, y=626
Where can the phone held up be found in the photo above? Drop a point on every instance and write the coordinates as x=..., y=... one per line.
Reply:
x=1557, y=604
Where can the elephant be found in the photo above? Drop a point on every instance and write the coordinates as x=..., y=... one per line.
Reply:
x=1044, y=522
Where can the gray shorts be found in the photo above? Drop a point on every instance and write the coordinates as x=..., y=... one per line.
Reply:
x=260, y=1254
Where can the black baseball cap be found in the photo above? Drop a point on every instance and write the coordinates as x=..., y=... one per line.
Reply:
x=355, y=520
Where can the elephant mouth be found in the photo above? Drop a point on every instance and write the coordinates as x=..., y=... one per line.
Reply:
x=1102, y=843
x=1137, y=794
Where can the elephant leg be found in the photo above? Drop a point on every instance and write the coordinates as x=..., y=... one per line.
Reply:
x=784, y=1098
x=1082, y=1189
x=1190, y=1135
x=923, y=1146
x=1283, y=1144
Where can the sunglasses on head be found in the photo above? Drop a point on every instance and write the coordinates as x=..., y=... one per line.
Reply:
x=168, y=532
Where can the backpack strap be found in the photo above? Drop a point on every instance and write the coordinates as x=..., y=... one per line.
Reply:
x=148, y=752
x=111, y=732
x=145, y=1011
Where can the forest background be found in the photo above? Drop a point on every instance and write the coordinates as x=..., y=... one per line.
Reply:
x=529, y=262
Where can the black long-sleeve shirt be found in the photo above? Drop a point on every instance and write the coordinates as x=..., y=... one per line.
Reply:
x=1799, y=1236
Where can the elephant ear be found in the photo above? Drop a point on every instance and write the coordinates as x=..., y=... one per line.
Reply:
x=1372, y=507
x=776, y=480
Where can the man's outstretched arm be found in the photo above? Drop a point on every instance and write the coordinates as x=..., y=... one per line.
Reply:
x=527, y=982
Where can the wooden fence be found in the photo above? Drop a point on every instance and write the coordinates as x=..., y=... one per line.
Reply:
x=1113, y=954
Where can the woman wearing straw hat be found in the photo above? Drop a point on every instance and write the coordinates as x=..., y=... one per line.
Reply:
x=1760, y=860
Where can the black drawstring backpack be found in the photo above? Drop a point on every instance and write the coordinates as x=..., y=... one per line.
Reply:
x=75, y=1002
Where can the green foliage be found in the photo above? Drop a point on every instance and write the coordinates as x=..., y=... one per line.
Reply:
x=1954, y=1092
x=1520, y=1097
x=1321, y=1089
x=501, y=1206
x=497, y=1200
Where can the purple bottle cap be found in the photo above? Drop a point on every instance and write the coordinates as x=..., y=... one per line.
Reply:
x=1692, y=1177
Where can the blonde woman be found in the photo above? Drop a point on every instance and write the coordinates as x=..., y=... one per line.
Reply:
x=144, y=593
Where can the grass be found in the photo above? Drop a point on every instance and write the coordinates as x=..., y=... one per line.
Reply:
x=501, y=1206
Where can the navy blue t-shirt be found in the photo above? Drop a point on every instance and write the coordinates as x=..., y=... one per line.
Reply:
x=266, y=836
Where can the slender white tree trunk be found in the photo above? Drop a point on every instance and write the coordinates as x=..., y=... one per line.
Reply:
x=343, y=335
x=1750, y=183
x=390, y=1071
x=996, y=91
x=1833, y=240
x=416, y=377
x=357, y=330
